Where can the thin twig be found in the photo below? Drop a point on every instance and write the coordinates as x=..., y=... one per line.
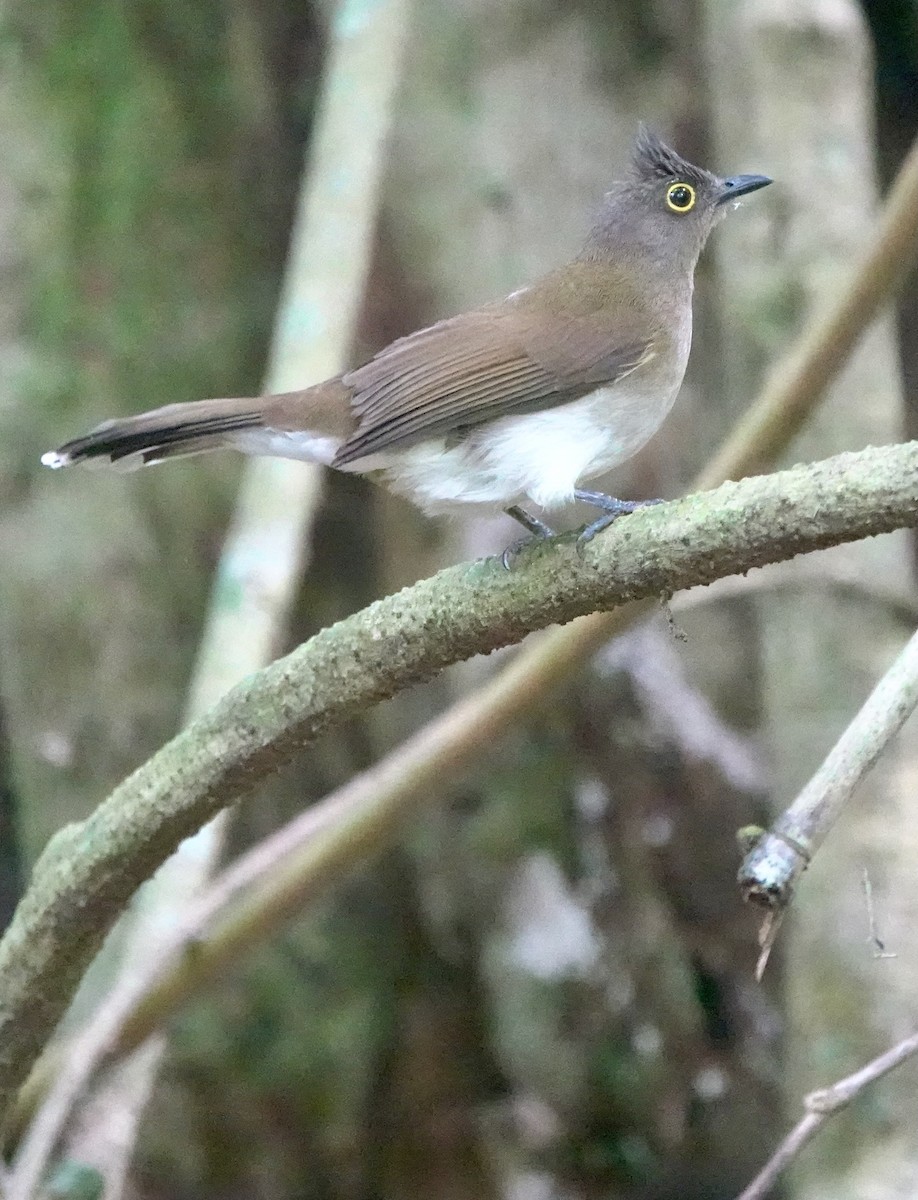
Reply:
x=873, y=938
x=770, y=870
x=819, y=1107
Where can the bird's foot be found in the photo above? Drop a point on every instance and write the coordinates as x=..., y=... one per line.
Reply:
x=612, y=507
x=538, y=532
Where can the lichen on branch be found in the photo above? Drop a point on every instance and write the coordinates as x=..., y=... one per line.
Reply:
x=89, y=871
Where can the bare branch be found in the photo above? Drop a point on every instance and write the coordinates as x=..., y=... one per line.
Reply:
x=819, y=1107
x=770, y=870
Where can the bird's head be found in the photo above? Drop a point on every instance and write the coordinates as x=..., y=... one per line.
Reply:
x=666, y=208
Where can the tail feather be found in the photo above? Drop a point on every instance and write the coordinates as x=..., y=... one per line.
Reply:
x=166, y=432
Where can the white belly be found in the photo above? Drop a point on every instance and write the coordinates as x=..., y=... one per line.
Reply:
x=540, y=457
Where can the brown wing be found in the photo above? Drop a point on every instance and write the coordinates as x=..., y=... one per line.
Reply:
x=478, y=367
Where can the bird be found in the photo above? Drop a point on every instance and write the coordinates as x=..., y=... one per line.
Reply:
x=515, y=404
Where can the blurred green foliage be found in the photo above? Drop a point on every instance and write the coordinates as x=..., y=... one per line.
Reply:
x=174, y=141
x=156, y=150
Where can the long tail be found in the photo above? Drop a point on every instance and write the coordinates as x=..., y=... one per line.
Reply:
x=163, y=433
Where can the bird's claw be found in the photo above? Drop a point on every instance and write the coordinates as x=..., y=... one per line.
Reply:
x=538, y=529
x=509, y=555
x=511, y=551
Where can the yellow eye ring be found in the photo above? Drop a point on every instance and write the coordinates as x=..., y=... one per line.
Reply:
x=680, y=197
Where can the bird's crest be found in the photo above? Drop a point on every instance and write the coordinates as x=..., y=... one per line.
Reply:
x=653, y=159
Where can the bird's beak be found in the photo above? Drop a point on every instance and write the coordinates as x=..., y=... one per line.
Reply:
x=741, y=185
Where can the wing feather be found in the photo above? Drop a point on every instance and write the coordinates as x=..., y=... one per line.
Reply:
x=480, y=367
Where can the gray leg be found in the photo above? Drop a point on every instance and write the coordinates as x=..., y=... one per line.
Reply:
x=612, y=507
x=537, y=528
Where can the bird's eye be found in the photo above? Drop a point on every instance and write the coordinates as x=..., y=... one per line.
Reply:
x=680, y=197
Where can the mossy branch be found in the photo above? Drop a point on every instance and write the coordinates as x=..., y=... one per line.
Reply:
x=89, y=871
